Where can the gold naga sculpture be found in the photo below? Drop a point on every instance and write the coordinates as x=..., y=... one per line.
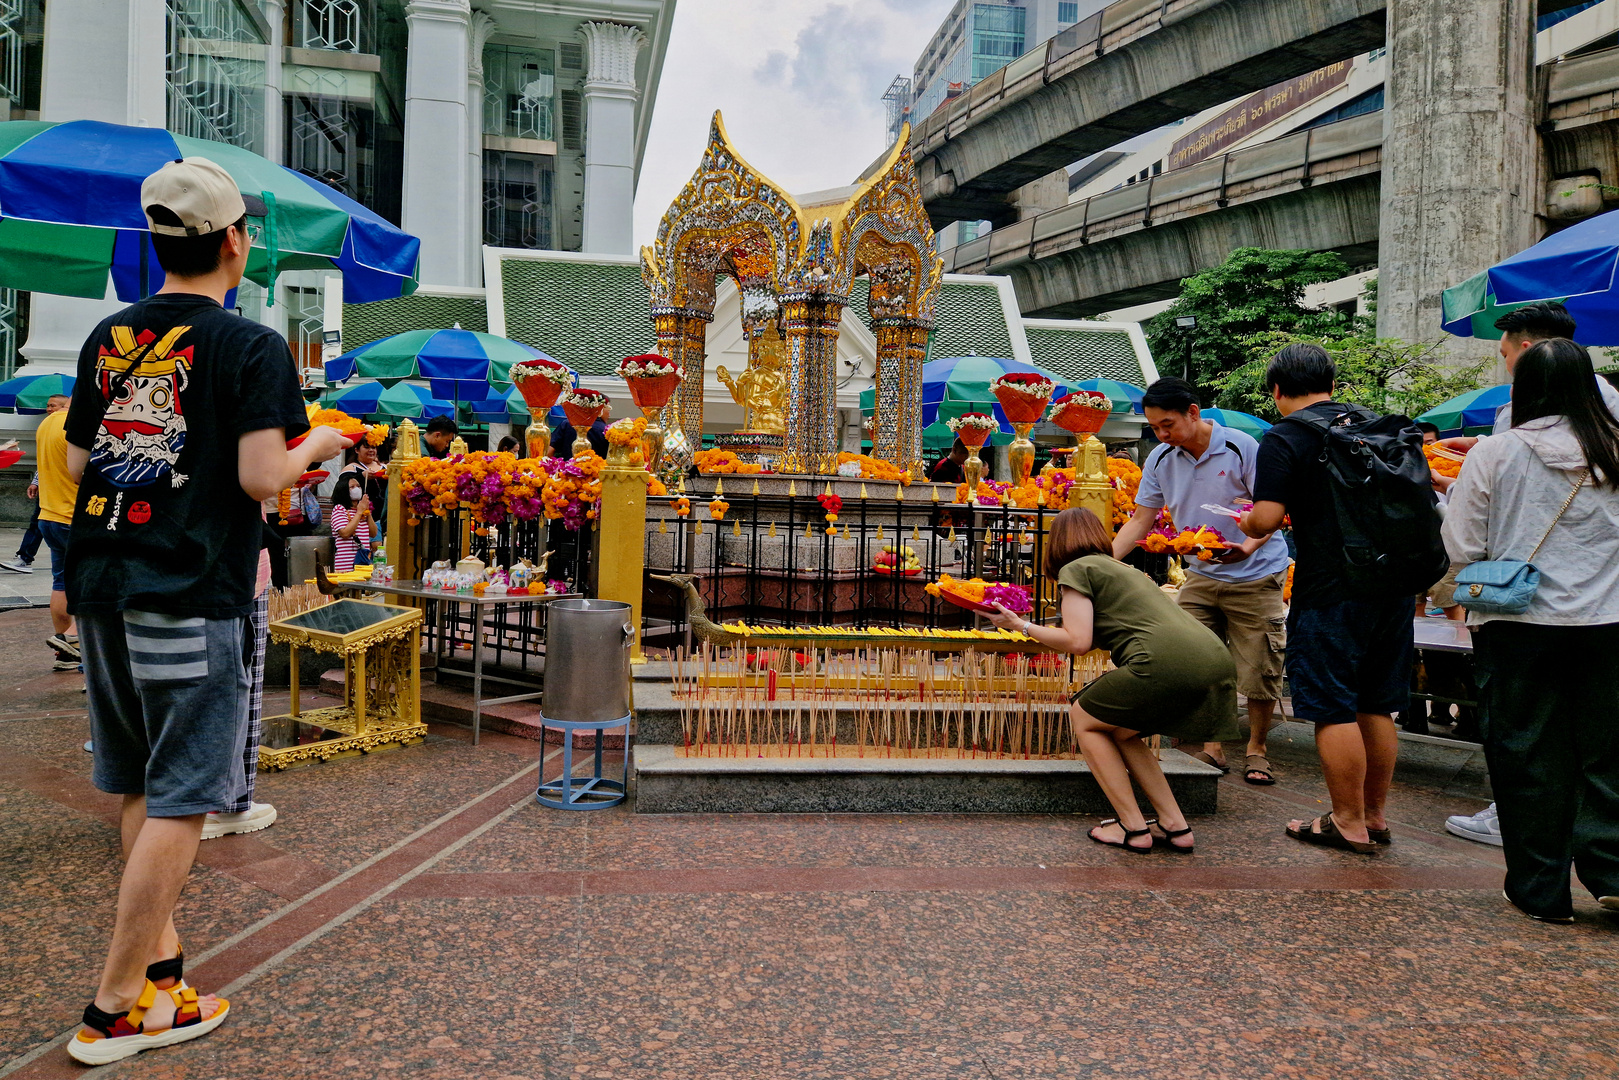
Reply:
x=761, y=390
x=794, y=267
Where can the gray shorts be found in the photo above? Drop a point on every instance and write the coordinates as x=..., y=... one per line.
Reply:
x=168, y=704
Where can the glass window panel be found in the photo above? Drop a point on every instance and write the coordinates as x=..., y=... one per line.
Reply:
x=518, y=195
x=519, y=92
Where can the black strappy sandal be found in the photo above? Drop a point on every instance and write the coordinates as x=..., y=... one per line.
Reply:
x=1129, y=834
x=1166, y=841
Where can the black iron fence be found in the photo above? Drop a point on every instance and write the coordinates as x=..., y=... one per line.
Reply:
x=772, y=560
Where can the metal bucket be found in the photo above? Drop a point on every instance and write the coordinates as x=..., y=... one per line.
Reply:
x=587, y=661
x=303, y=552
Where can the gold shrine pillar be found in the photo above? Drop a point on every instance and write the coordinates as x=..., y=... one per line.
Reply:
x=897, y=417
x=621, y=538
x=813, y=427
x=683, y=338
x=401, y=540
x=1091, y=489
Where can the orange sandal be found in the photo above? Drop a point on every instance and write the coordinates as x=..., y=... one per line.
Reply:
x=124, y=1034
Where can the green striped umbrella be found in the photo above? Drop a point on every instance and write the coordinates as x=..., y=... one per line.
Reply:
x=1125, y=397
x=70, y=199
x=29, y=393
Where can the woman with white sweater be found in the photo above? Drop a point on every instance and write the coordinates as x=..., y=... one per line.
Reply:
x=1549, y=677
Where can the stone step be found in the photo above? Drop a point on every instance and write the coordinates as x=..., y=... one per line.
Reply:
x=669, y=783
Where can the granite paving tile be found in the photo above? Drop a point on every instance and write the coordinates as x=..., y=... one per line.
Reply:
x=60, y=877
x=1529, y=1051
x=1309, y=919
x=341, y=812
x=435, y=988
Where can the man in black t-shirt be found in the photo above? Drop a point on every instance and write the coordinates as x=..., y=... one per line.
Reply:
x=177, y=431
x=1348, y=654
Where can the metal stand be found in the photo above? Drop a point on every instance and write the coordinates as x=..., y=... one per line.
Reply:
x=593, y=792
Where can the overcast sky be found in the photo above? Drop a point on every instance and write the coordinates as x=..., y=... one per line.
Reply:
x=800, y=83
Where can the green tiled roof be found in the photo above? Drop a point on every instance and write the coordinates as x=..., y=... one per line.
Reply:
x=365, y=323
x=587, y=315
x=1085, y=354
x=968, y=320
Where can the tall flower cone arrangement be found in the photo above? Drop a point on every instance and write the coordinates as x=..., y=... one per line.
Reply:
x=541, y=382
x=1024, y=396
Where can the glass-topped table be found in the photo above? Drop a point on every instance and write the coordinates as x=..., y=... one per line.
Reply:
x=481, y=607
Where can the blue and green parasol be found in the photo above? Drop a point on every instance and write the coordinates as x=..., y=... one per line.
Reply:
x=1247, y=423
x=459, y=365
x=28, y=393
x=70, y=214
x=1472, y=413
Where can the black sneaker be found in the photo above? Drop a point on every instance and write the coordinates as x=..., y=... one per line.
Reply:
x=65, y=645
x=65, y=663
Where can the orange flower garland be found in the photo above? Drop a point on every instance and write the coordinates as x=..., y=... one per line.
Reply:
x=875, y=468
x=1442, y=461
x=717, y=509
x=722, y=461
x=682, y=507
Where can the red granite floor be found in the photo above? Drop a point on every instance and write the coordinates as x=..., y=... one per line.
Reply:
x=415, y=914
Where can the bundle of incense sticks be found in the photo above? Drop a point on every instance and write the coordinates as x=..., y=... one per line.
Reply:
x=878, y=702
x=295, y=600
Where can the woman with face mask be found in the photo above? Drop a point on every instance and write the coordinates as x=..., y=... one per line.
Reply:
x=365, y=465
x=353, y=528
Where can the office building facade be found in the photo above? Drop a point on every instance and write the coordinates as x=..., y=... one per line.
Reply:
x=521, y=126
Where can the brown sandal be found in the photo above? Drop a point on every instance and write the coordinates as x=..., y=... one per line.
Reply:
x=1323, y=832
x=1208, y=759
x=1257, y=763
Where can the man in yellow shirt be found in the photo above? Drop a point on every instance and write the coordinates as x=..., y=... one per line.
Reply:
x=57, y=494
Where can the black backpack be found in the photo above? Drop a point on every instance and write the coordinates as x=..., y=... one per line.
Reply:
x=1382, y=495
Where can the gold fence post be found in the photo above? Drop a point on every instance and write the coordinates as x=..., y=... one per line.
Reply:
x=401, y=542
x=621, y=540
x=1092, y=489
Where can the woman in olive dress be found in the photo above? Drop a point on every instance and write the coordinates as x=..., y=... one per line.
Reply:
x=1172, y=676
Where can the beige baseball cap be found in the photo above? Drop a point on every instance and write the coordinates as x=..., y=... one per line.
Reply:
x=198, y=192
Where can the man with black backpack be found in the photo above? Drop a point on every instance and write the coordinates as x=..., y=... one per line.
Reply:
x=1367, y=531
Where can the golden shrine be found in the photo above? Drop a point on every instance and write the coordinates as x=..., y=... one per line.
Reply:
x=793, y=266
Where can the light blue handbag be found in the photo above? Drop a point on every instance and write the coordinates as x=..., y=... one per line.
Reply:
x=1507, y=586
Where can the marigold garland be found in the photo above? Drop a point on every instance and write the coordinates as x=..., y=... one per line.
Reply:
x=682, y=507
x=722, y=461
x=376, y=435
x=717, y=509
x=876, y=468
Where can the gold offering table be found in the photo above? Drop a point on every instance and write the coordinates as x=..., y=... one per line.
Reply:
x=382, y=684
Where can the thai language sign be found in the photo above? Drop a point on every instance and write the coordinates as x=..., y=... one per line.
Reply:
x=1258, y=110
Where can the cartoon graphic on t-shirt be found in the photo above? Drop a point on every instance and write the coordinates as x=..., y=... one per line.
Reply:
x=143, y=430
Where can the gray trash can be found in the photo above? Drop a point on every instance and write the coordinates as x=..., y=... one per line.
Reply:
x=587, y=687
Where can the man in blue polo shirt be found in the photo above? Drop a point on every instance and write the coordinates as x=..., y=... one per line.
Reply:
x=1238, y=596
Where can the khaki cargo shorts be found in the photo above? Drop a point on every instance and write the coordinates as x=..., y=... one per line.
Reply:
x=1444, y=593
x=1250, y=618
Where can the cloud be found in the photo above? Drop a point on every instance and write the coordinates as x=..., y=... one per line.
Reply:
x=799, y=82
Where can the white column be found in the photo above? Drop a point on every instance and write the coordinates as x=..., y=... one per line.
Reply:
x=483, y=24
x=436, y=131
x=610, y=99
x=275, y=110
x=123, y=42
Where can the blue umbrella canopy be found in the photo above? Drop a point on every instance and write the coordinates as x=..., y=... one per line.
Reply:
x=958, y=381
x=459, y=365
x=70, y=198
x=1577, y=267
x=29, y=393
x=1472, y=413
x=1239, y=421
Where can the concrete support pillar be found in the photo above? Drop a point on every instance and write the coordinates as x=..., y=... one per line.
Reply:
x=1047, y=193
x=482, y=26
x=437, y=123
x=1461, y=158
x=123, y=42
x=610, y=99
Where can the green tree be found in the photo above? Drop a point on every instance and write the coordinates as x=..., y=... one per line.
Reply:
x=1386, y=375
x=1255, y=291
